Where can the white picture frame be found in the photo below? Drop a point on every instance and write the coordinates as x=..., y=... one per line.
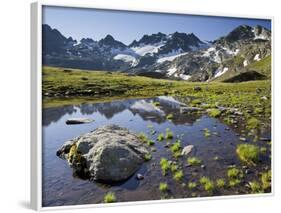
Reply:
x=36, y=103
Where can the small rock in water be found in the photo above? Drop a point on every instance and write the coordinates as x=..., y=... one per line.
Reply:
x=140, y=176
x=167, y=145
x=203, y=166
x=242, y=139
x=227, y=129
x=78, y=121
x=189, y=109
x=187, y=149
x=265, y=139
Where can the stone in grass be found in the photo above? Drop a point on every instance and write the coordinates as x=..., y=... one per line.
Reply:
x=108, y=154
x=72, y=121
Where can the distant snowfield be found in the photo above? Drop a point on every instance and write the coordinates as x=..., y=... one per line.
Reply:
x=171, y=56
x=126, y=58
x=184, y=77
x=220, y=72
x=145, y=49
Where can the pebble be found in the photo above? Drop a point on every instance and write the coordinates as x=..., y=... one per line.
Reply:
x=242, y=139
x=140, y=176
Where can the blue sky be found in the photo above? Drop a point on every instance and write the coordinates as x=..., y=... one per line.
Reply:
x=127, y=26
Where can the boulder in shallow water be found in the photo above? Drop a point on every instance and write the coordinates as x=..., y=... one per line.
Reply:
x=108, y=154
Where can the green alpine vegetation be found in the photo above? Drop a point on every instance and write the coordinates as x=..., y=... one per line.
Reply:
x=163, y=187
x=248, y=153
x=193, y=161
x=110, y=197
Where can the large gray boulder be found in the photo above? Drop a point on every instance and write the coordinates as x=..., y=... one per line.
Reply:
x=110, y=153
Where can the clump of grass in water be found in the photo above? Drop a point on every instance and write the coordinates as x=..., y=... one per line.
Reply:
x=193, y=161
x=143, y=137
x=109, y=197
x=178, y=175
x=214, y=112
x=150, y=142
x=160, y=137
x=207, y=132
x=220, y=183
x=248, y=153
x=266, y=180
x=255, y=187
x=176, y=146
x=165, y=165
x=235, y=175
x=176, y=149
x=147, y=157
x=253, y=123
x=163, y=187
x=192, y=185
x=207, y=184
x=156, y=103
x=169, y=117
x=169, y=134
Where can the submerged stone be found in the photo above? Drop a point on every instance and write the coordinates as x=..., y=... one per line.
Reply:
x=108, y=154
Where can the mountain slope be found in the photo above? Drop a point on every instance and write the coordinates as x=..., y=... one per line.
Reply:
x=176, y=56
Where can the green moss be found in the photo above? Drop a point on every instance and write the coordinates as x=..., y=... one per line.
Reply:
x=193, y=161
x=248, y=153
x=207, y=133
x=109, y=197
x=169, y=134
x=192, y=185
x=160, y=137
x=174, y=168
x=196, y=102
x=150, y=142
x=147, y=157
x=165, y=165
x=176, y=146
x=169, y=116
x=214, y=112
x=263, y=150
x=234, y=182
x=163, y=187
x=253, y=123
x=255, y=187
x=207, y=184
x=235, y=175
x=143, y=137
x=220, y=183
x=156, y=103
x=266, y=180
x=178, y=175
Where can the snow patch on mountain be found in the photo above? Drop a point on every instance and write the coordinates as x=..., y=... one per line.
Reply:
x=245, y=63
x=171, y=56
x=220, y=72
x=257, y=57
x=126, y=58
x=147, y=49
x=171, y=71
x=184, y=77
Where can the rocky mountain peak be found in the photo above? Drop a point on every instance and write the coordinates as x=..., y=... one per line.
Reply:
x=108, y=40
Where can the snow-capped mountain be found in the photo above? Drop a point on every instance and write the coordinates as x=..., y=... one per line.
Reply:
x=177, y=55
